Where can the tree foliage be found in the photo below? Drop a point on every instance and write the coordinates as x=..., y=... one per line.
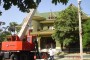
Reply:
x=66, y=27
x=3, y=32
x=12, y=26
x=3, y=35
x=2, y=23
x=60, y=1
x=25, y=5
x=86, y=34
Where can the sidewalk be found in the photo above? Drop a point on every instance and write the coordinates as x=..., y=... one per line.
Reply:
x=72, y=57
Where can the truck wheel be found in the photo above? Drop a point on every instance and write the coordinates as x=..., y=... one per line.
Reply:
x=13, y=57
x=3, y=58
x=23, y=57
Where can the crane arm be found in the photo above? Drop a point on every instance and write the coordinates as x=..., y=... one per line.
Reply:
x=24, y=27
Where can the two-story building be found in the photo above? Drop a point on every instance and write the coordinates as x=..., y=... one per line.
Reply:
x=42, y=26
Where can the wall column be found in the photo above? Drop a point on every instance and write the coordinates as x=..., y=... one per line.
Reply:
x=57, y=45
x=38, y=39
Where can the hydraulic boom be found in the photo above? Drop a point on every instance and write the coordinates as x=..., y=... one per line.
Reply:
x=24, y=27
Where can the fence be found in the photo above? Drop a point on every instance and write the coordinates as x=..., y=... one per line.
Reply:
x=76, y=50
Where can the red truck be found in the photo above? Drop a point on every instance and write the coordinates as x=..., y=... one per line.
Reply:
x=21, y=46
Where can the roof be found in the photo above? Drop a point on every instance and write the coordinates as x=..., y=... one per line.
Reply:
x=45, y=14
x=47, y=21
x=43, y=33
x=39, y=18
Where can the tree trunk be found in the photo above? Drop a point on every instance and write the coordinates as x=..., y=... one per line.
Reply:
x=62, y=46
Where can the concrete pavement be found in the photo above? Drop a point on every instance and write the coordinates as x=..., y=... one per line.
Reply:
x=74, y=56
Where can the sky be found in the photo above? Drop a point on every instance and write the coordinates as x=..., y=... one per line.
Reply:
x=14, y=15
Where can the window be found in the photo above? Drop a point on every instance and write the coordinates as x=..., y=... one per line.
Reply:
x=28, y=39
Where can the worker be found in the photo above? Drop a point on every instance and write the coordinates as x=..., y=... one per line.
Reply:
x=51, y=54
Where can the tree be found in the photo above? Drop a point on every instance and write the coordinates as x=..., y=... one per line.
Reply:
x=86, y=34
x=66, y=27
x=3, y=32
x=3, y=35
x=25, y=5
x=60, y=1
x=2, y=23
x=12, y=26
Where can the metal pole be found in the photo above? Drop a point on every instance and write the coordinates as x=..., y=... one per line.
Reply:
x=80, y=30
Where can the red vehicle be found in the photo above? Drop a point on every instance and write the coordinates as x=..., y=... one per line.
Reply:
x=21, y=47
x=17, y=49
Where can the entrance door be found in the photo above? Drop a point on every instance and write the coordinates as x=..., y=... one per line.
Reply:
x=47, y=42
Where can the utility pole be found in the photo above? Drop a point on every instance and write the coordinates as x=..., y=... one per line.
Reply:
x=80, y=30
